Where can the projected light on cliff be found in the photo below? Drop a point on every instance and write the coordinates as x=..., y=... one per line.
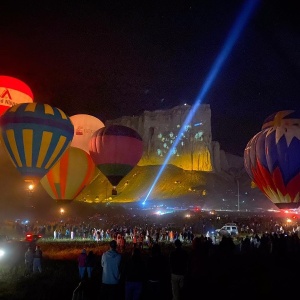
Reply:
x=232, y=38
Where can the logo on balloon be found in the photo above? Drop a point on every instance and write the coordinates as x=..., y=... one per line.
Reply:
x=4, y=94
x=79, y=130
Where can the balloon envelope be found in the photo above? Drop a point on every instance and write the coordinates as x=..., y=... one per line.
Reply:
x=116, y=150
x=84, y=127
x=272, y=159
x=35, y=136
x=13, y=91
x=70, y=175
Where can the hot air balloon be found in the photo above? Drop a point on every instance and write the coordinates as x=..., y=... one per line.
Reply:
x=272, y=159
x=116, y=150
x=35, y=137
x=84, y=127
x=13, y=91
x=70, y=175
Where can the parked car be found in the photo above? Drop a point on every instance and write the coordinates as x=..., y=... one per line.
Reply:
x=30, y=237
x=228, y=229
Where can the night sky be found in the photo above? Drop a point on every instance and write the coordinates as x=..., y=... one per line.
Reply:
x=116, y=58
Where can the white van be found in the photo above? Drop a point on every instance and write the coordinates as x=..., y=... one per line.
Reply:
x=228, y=229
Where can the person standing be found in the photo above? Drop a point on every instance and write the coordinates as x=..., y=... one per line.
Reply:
x=28, y=262
x=123, y=244
x=178, y=265
x=37, y=260
x=135, y=276
x=158, y=275
x=111, y=264
x=82, y=264
x=90, y=263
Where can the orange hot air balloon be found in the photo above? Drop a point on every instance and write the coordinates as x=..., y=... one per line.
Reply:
x=70, y=175
x=13, y=91
x=84, y=127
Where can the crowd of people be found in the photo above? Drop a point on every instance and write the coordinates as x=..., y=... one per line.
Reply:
x=166, y=262
x=102, y=227
x=138, y=276
x=175, y=272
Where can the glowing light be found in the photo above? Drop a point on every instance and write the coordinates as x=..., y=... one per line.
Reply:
x=233, y=36
x=2, y=252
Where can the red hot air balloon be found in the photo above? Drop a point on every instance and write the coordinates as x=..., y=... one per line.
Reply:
x=70, y=175
x=272, y=159
x=116, y=150
x=13, y=91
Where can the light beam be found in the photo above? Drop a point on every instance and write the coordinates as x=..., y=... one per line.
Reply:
x=235, y=32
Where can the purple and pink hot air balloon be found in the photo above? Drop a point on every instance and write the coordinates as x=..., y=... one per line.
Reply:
x=116, y=150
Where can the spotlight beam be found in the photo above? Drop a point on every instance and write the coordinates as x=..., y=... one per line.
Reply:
x=235, y=32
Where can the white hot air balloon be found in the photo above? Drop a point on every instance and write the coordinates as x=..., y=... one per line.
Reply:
x=84, y=127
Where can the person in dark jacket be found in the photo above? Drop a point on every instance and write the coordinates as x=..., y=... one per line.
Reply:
x=37, y=260
x=28, y=262
x=82, y=264
x=91, y=261
x=178, y=266
x=158, y=275
x=135, y=276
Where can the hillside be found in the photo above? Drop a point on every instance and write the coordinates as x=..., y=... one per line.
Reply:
x=175, y=187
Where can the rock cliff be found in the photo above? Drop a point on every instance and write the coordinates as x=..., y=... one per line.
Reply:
x=192, y=146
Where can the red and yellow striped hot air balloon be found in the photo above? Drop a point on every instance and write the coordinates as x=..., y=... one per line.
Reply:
x=13, y=91
x=35, y=137
x=70, y=175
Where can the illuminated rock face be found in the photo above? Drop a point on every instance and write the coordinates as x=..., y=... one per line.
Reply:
x=159, y=130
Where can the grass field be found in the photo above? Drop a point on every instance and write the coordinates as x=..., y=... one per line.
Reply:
x=222, y=276
x=59, y=277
